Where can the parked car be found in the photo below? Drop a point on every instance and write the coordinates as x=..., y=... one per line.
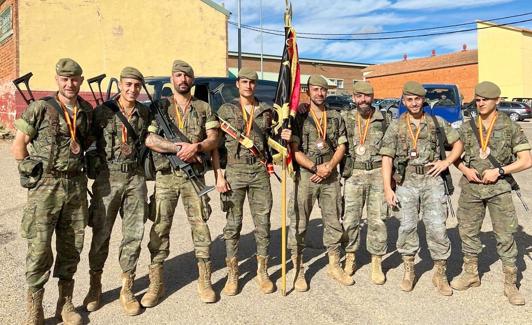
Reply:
x=525, y=100
x=516, y=110
x=339, y=103
x=389, y=106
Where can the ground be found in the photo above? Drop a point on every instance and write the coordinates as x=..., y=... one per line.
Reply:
x=327, y=301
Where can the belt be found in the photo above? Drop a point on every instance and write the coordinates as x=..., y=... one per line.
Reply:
x=246, y=160
x=63, y=174
x=368, y=165
x=418, y=169
x=122, y=167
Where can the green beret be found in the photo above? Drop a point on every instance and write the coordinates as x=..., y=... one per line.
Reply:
x=67, y=68
x=248, y=73
x=133, y=73
x=413, y=88
x=317, y=80
x=487, y=89
x=182, y=66
x=363, y=87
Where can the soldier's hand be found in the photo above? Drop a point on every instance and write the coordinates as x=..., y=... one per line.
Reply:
x=222, y=185
x=316, y=178
x=490, y=176
x=391, y=198
x=438, y=167
x=472, y=175
x=324, y=170
x=188, y=151
x=286, y=134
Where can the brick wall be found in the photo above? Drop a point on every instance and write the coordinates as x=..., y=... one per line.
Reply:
x=8, y=68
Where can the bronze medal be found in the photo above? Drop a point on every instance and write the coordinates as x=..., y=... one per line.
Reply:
x=413, y=154
x=320, y=144
x=484, y=153
x=125, y=149
x=361, y=150
x=74, y=147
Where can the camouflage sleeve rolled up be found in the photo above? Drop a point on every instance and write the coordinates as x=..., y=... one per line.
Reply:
x=451, y=134
x=29, y=121
x=211, y=122
x=519, y=140
x=389, y=141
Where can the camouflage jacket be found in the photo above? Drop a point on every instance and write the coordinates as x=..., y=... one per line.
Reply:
x=507, y=139
x=374, y=135
x=50, y=136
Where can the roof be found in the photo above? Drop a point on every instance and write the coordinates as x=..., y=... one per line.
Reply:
x=433, y=62
x=274, y=76
x=307, y=60
x=216, y=6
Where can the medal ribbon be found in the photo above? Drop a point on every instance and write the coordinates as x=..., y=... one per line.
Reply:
x=321, y=124
x=128, y=116
x=71, y=123
x=484, y=141
x=362, y=136
x=414, y=138
x=248, y=119
x=181, y=116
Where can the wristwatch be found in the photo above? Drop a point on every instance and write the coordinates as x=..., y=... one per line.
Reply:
x=501, y=172
x=314, y=169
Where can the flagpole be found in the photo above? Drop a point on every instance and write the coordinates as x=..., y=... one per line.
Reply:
x=283, y=228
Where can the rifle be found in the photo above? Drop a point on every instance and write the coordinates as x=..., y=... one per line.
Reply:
x=170, y=134
x=446, y=174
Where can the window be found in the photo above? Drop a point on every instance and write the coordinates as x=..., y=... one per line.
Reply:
x=339, y=82
x=6, y=24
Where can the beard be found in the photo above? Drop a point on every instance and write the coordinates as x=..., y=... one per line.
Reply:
x=183, y=91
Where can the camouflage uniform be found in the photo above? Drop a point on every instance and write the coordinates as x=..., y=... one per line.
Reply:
x=419, y=192
x=59, y=200
x=246, y=175
x=119, y=187
x=365, y=186
x=171, y=185
x=305, y=193
x=507, y=139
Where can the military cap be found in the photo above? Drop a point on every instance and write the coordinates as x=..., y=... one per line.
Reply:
x=487, y=89
x=363, y=87
x=248, y=73
x=414, y=88
x=133, y=73
x=180, y=65
x=317, y=80
x=67, y=67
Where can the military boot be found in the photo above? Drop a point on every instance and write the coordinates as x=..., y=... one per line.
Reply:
x=156, y=288
x=65, y=310
x=92, y=301
x=263, y=279
x=469, y=277
x=408, y=278
x=205, y=291
x=129, y=303
x=350, y=264
x=231, y=285
x=377, y=276
x=439, y=278
x=510, y=288
x=336, y=272
x=35, y=313
x=300, y=284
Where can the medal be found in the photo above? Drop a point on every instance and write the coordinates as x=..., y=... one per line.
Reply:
x=483, y=154
x=361, y=150
x=412, y=154
x=125, y=149
x=74, y=147
x=320, y=144
x=484, y=140
x=321, y=127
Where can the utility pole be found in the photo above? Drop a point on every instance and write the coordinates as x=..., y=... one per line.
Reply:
x=239, y=34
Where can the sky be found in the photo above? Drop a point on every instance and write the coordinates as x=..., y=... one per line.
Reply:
x=369, y=16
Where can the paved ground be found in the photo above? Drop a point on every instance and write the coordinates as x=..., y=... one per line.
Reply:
x=327, y=302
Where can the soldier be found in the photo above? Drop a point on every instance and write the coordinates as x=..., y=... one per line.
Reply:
x=318, y=144
x=245, y=174
x=57, y=128
x=120, y=186
x=365, y=130
x=194, y=118
x=410, y=145
x=484, y=184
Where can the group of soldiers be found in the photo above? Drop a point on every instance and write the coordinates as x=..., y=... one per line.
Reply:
x=385, y=165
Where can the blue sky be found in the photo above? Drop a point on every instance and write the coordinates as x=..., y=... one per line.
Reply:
x=356, y=16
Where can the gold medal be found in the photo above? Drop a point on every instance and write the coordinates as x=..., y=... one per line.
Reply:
x=412, y=154
x=74, y=147
x=125, y=149
x=320, y=144
x=484, y=153
x=361, y=150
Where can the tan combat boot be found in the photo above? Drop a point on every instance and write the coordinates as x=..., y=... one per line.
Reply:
x=65, y=310
x=35, y=313
x=205, y=291
x=350, y=263
x=300, y=284
x=510, y=289
x=469, y=277
x=408, y=278
x=156, y=288
x=439, y=278
x=263, y=279
x=129, y=303
x=336, y=272
x=377, y=276
x=92, y=301
x=231, y=285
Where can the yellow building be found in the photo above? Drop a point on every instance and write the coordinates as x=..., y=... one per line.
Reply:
x=504, y=57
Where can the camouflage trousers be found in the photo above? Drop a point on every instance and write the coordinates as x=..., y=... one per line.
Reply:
x=425, y=195
x=114, y=192
x=60, y=205
x=255, y=183
x=365, y=187
x=470, y=214
x=300, y=207
x=169, y=187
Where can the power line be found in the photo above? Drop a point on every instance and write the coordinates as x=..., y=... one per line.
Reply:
x=278, y=33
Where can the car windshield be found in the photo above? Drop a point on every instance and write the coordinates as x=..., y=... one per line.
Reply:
x=442, y=96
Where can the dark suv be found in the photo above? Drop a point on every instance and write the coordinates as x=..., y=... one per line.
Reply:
x=339, y=103
x=516, y=110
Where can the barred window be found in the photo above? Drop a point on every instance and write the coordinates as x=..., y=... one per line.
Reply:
x=6, y=23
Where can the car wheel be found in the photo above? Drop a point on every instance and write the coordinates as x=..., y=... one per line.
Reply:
x=514, y=117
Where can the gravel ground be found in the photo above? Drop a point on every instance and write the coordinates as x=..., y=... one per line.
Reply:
x=326, y=302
